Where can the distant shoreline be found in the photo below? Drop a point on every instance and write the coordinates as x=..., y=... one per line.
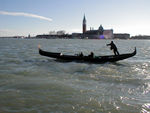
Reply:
x=132, y=38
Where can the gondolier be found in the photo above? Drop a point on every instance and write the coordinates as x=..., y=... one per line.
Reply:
x=113, y=47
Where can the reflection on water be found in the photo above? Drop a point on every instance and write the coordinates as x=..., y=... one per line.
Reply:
x=32, y=83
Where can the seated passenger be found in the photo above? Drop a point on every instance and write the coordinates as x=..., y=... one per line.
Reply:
x=81, y=54
x=91, y=54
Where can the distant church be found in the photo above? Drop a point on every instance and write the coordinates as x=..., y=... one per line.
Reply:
x=101, y=33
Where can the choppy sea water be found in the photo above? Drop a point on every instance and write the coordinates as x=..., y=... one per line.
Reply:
x=30, y=83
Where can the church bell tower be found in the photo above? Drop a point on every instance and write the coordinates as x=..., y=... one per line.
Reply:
x=84, y=24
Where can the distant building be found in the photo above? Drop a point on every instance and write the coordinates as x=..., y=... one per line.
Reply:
x=141, y=37
x=62, y=32
x=121, y=36
x=29, y=36
x=84, y=25
x=100, y=33
x=76, y=35
x=108, y=33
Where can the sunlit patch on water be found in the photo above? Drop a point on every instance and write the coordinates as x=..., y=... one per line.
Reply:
x=142, y=70
x=146, y=88
x=146, y=108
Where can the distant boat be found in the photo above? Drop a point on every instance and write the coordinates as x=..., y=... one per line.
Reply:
x=95, y=59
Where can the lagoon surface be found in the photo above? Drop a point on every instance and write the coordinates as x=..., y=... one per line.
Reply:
x=30, y=83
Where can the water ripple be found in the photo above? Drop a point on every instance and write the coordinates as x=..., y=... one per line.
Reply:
x=33, y=83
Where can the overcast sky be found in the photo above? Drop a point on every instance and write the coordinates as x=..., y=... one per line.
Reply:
x=23, y=17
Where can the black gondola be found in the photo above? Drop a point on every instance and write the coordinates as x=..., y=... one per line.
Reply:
x=78, y=58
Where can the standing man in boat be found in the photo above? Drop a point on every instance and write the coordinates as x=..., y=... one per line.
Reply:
x=113, y=47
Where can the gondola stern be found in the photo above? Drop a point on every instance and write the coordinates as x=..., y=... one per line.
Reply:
x=135, y=51
x=39, y=46
x=40, y=50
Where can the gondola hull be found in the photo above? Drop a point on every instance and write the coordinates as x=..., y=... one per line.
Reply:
x=96, y=59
